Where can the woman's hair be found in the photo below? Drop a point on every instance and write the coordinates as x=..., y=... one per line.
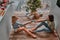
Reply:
x=51, y=17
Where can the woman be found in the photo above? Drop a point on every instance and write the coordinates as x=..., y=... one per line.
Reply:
x=49, y=25
x=50, y=22
x=19, y=27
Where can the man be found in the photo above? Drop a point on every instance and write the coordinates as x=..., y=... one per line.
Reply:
x=20, y=27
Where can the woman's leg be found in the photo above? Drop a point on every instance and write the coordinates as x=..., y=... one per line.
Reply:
x=46, y=25
x=46, y=30
x=35, y=28
x=43, y=23
x=27, y=31
x=51, y=31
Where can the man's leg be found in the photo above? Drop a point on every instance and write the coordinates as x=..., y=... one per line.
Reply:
x=27, y=31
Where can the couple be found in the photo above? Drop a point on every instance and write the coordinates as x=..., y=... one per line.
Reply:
x=21, y=27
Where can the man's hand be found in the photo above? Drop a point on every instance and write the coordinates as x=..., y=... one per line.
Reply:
x=33, y=21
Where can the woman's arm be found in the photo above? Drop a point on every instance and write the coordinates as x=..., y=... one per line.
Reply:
x=41, y=20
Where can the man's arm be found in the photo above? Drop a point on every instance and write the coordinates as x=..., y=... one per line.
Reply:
x=28, y=22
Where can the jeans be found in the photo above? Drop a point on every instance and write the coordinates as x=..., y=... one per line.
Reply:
x=46, y=30
x=46, y=25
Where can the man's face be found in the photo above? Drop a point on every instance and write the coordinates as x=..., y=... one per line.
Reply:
x=14, y=19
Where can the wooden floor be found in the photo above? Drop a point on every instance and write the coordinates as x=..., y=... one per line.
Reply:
x=40, y=36
x=24, y=36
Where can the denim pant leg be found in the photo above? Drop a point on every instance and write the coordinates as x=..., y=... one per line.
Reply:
x=40, y=25
x=46, y=30
x=45, y=24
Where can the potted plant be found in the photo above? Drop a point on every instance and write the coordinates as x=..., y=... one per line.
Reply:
x=33, y=5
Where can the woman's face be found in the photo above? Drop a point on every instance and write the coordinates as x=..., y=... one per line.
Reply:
x=48, y=18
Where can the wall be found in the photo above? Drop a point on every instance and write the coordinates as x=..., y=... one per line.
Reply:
x=5, y=24
x=56, y=12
